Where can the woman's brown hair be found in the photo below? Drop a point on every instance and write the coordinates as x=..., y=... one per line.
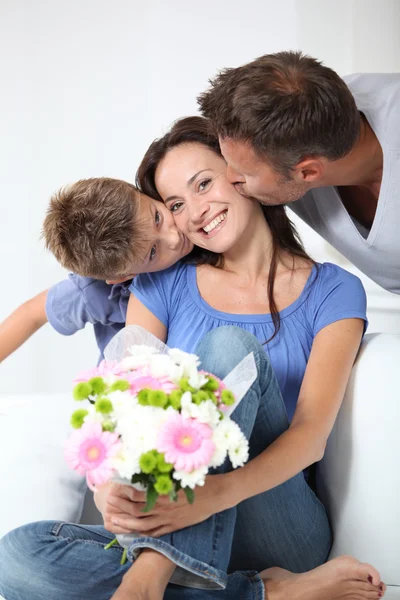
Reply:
x=196, y=130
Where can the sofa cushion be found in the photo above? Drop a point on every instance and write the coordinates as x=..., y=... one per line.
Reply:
x=36, y=482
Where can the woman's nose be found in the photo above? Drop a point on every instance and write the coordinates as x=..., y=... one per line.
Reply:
x=198, y=212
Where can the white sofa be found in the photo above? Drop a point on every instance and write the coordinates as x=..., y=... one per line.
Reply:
x=359, y=477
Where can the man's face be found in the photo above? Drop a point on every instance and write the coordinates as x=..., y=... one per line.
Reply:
x=256, y=178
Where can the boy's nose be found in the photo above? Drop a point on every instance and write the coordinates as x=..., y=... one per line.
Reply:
x=174, y=240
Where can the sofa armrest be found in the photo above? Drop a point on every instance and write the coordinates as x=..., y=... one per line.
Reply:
x=359, y=477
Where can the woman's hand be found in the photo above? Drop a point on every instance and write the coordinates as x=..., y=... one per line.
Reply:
x=122, y=508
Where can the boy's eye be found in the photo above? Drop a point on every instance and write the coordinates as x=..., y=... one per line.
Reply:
x=176, y=206
x=153, y=253
x=157, y=217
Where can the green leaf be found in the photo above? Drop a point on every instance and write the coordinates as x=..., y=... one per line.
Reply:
x=189, y=494
x=151, y=499
x=173, y=496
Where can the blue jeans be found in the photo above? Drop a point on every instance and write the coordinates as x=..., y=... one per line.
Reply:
x=286, y=526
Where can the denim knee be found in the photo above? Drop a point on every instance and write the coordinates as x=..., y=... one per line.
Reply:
x=228, y=345
x=18, y=561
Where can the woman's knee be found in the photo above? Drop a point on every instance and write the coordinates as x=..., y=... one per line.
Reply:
x=224, y=347
x=19, y=560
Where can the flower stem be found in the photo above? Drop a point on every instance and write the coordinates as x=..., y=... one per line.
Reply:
x=114, y=541
x=124, y=556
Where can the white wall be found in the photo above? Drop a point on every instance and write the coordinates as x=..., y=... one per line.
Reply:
x=87, y=84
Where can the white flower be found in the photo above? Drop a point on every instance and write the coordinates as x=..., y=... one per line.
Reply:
x=228, y=433
x=162, y=365
x=140, y=427
x=126, y=464
x=123, y=403
x=239, y=454
x=205, y=412
x=196, y=477
x=139, y=356
x=188, y=362
x=196, y=379
x=93, y=415
x=219, y=456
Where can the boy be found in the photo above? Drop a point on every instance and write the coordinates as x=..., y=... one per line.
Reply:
x=106, y=251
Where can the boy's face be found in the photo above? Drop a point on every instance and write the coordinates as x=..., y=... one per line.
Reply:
x=165, y=244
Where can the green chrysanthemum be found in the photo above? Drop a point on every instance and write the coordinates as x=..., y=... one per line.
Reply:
x=163, y=466
x=200, y=396
x=227, y=398
x=184, y=385
x=98, y=385
x=175, y=399
x=120, y=386
x=213, y=397
x=77, y=418
x=212, y=384
x=103, y=405
x=163, y=485
x=143, y=397
x=108, y=426
x=82, y=391
x=158, y=398
x=148, y=462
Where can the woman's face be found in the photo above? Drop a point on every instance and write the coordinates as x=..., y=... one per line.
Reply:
x=192, y=181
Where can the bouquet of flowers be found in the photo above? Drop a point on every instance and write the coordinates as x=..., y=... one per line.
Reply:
x=151, y=418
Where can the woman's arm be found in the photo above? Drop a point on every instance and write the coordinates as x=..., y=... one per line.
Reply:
x=138, y=314
x=21, y=324
x=328, y=370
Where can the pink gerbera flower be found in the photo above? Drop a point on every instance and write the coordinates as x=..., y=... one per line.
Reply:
x=89, y=451
x=104, y=369
x=140, y=381
x=187, y=444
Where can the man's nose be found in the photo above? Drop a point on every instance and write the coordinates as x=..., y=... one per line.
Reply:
x=234, y=176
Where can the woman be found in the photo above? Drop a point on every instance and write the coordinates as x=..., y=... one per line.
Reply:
x=254, y=280
x=312, y=318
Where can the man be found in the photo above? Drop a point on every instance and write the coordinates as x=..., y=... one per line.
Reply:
x=292, y=131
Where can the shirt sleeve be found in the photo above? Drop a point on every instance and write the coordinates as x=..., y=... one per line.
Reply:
x=337, y=295
x=66, y=307
x=157, y=291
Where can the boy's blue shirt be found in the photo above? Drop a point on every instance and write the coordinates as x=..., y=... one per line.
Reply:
x=75, y=301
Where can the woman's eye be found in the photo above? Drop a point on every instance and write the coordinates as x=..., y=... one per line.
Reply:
x=153, y=253
x=203, y=184
x=157, y=217
x=176, y=206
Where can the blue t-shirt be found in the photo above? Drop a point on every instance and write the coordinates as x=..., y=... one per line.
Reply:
x=330, y=294
x=75, y=301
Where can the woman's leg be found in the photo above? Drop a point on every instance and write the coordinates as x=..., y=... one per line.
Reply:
x=59, y=561
x=297, y=533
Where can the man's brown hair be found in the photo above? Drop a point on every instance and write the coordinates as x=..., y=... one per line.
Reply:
x=93, y=227
x=287, y=105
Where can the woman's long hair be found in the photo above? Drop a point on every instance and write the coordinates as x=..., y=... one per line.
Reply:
x=196, y=130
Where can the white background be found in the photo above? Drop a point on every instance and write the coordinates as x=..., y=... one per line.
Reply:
x=87, y=84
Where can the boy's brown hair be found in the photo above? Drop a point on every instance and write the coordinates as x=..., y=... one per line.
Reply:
x=287, y=105
x=93, y=227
